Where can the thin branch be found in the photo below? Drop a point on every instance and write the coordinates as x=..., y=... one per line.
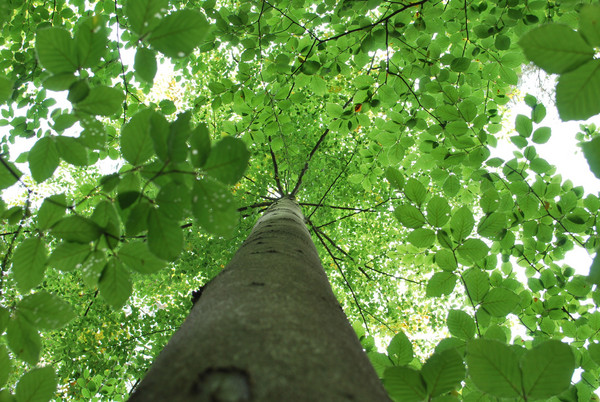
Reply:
x=335, y=261
x=305, y=168
x=374, y=24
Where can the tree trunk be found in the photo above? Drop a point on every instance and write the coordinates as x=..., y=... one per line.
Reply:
x=267, y=328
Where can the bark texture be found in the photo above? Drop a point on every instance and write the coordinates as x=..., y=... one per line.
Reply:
x=267, y=328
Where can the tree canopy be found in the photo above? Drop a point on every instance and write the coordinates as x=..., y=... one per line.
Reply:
x=157, y=131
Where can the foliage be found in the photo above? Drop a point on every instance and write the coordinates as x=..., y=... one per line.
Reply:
x=379, y=117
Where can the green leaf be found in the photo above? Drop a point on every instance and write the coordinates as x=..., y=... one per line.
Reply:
x=5, y=365
x=591, y=151
x=404, y=384
x=499, y=302
x=492, y=225
x=460, y=64
x=409, y=216
x=576, y=95
x=473, y=249
x=115, y=284
x=137, y=221
x=6, y=88
x=334, y=110
x=228, y=160
x=556, y=48
x=52, y=209
x=541, y=135
x=422, y=238
x=72, y=151
x=523, y=125
x=23, y=339
x=136, y=143
x=92, y=268
x=460, y=324
x=477, y=283
x=4, y=314
x=45, y=311
x=538, y=113
x=438, y=211
x=400, y=349
x=502, y=42
x=90, y=41
x=451, y=186
x=143, y=15
x=165, y=237
x=594, y=276
x=138, y=257
x=76, y=229
x=29, y=263
x=589, y=24
x=179, y=132
x=179, y=33
x=415, y=191
x=594, y=351
x=56, y=50
x=78, y=91
x=102, y=101
x=173, y=199
x=9, y=174
x=445, y=260
x=214, y=207
x=37, y=385
x=145, y=65
x=67, y=256
x=462, y=223
x=395, y=178
x=200, y=145
x=443, y=372
x=43, y=159
x=494, y=368
x=310, y=67
x=547, y=369
x=441, y=283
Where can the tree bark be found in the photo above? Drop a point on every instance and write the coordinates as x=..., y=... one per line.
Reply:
x=267, y=328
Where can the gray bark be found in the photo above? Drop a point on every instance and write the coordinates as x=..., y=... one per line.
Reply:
x=267, y=328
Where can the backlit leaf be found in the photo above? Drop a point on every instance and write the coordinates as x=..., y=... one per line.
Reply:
x=102, y=101
x=115, y=284
x=409, y=216
x=441, y=283
x=494, y=368
x=460, y=324
x=177, y=34
x=136, y=142
x=547, y=369
x=144, y=15
x=404, y=384
x=56, y=50
x=214, y=207
x=137, y=257
x=43, y=159
x=29, y=263
x=76, y=229
x=576, y=97
x=23, y=339
x=145, y=64
x=556, y=48
x=52, y=209
x=37, y=385
x=443, y=372
x=400, y=349
x=499, y=302
x=165, y=238
x=228, y=160
x=45, y=310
